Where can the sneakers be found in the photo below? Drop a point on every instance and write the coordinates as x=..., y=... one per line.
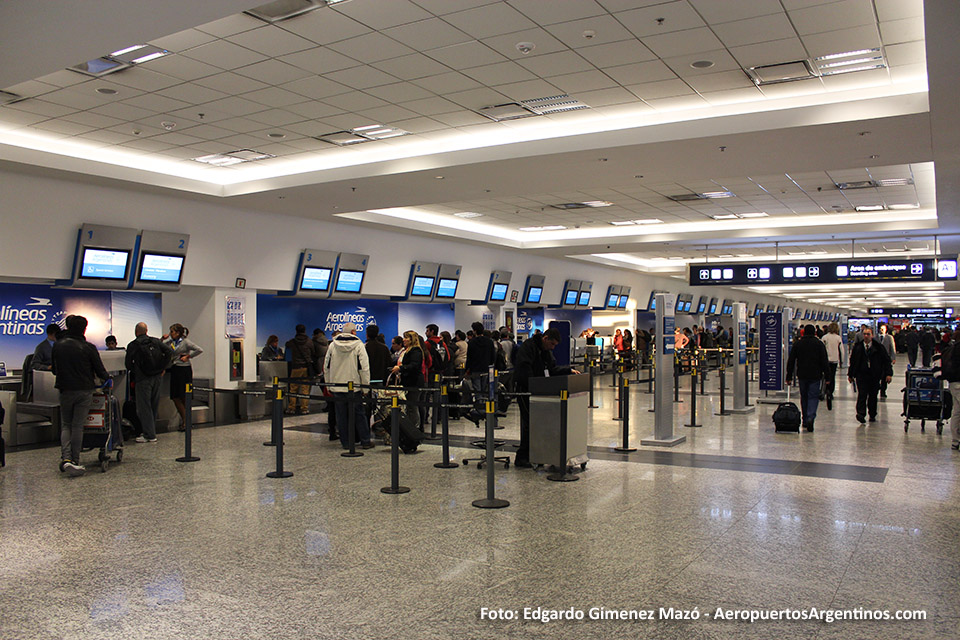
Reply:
x=873, y=418
x=955, y=446
x=861, y=420
x=808, y=426
x=71, y=468
x=142, y=439
x=829, y=403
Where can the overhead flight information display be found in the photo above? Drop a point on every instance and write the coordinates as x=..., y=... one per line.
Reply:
x=912, y=312
x=826, y=272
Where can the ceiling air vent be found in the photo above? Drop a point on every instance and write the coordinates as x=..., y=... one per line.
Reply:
x=508, y=111
x=231, y=158
x=362, y=134
x=534, y=107
x=858, y=184
x=783, y=72
x=709, y=195
x=591, y=204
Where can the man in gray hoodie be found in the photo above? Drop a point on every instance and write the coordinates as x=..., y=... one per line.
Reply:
x=347, y=361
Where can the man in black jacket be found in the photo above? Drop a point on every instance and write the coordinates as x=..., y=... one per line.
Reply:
x=869, y=364
x=302, y=356
x=912, y=339
x=147, y=358
x=928, y=340
x=533, y=359
x=808, y=358
x=75, y=363
x=481, y=353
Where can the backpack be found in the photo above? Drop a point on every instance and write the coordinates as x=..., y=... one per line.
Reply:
x=152, y=360
x=950, y=363
x=787, y=418
x=438, y=357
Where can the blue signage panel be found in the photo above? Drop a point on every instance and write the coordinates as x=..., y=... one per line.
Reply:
x=279, y=316
x=825, y=272
x=771, y=351
x=743, y=343
x=669, y=337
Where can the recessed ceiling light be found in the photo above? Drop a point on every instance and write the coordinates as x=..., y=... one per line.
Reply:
x=903, y=206
x=285, y=9
x=848, y=54
x=552, y=227
x=342, y=138
x=725, y=255
x=717, y=194
x=276, y=135
x=99, y=67
x=625, y=223
x=725, y=216
x=468, y=214
x=702, y=64
x=138, y=54
x=592, y=204
x=756, y=214
x=895, y=182
x=233, y=157
x=870, y=207
x=438, y=177
x=107, y=91
x=368, y=127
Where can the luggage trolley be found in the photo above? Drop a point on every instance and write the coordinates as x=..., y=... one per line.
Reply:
x=924, y=399
x=102, y=428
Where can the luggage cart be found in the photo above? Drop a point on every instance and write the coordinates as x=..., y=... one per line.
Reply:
x=924, y=399
x=102, y=428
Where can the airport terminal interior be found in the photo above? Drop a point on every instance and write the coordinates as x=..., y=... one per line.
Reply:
x=710, y=177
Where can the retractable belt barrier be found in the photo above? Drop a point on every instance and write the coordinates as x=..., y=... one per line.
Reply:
x=188, y=426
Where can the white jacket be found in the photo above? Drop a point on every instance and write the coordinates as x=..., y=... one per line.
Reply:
x=346, y=361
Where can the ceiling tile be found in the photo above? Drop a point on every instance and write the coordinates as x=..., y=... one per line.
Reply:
x=775, y=52
x=121, y=111
x=202, y=115
x=469, y=54
x=320, y=60
x=272, y=40
x=399, y=92
x=274, y=97
x=230, y=83
x=156, y=103
x=906, y=30
x=431, y=106
x=791, y=89
x=441, y=7
x=906, y=53
x=826, y=43
x=191, y=93
x=223, y=54
x=313, y=110
x=722, y=61
x=210, y=132
x=725, y=80
x=147, y=145
x=555, y=64
x=662, y=89
x=606, y=97
x=273, y=72
x=898, y=9
x=31, y=89
x=460, y=118
x=419, y=125
x=235, y=105
x=557, y=10
x=427, y=34
x=719, y=12
x=617, y=53
x=92, y=119
x=446, y=82
x=678, y=43
x=733, y=96
x=355, y=101
x=761, y=29
x=183, y=68
x=183, y=40
x=64, y=78
x=500, y=73
x=78, y=98
x=231, y=25
x=858, y=80
x=362, y=77
x=507, y=44
x=411, y=67
x=63, y=127
x=383, y=15
x=143, y=79
x=833, y=16
x=372, y=47
x=244, y=125
x=476, y=99
x=490, y=20
x=177, y=139
x=660, y=19
x=527, y=90
x=324, y=26
x=640, y=73
x=605, y=29
x=388, y=115
x=583, y=81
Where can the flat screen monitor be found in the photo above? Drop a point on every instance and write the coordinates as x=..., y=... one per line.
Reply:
x=349, y=281
x=713, y=307
x=584, y=300
x=422, y=286
x=571, y=297
x=104, y=264
x=315, y=279
x=652, y=305
x=613, y=300
x=498, y=292
x=757, y=310
x=533, y=295
x=702, y=305
x=160, y=267
x=447, y=288
x=622, y=304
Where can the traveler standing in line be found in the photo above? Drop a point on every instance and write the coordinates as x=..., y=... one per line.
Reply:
x=76, y=363
x=481, y=354
x=460, y=360
x=950, y=371
x=627, y=349
x=42, y=355
x=506, y=341
x=927, y=342
x=147, y=359
x=271, y=351
x=320, y=344
x=346, y=361
x=869, y=364
x=808, y=359
x=913, y=345
x=891, y=347
x=181, y=373
x=834, y=346
x=534, y=357
x=110, y=342
x=396, y=349
x=412, y=373
x=378, y=355
x=302, y=356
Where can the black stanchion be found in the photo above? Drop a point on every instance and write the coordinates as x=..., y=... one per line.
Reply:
x=276, y=424
x=276, y=394
x=188, y=427
x=625, y=394
x=676, y=379
x=563, y=476
x=702, y=364
x=491, y=501
x=619, y=398
x=435, y=396
x=445, y=431
x=723, y=390
x=395, y=487
x=693, y=399
x=593, y=380
x=351, y=425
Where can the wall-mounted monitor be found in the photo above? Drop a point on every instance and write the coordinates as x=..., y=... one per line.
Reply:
x=349, y=281
x=316, y=279
x=726, y=309
x=104, y=264
x=534, y=294
x=497, y=287
x=571, y=297
x=771, y=308
x=713, y=307
x=702, y=304
x=652, y=302
x=584, y=300
x=613, y=300
x=447, y=288
x=161, y=267
x=498, y=291
x=756, y=310
x=422, y=286
x=622, y=302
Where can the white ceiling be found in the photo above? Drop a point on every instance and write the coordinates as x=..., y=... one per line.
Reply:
x=428, y=66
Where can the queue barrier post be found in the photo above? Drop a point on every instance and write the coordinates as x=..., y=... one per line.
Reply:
x=276, y=392
x=593, y=380
x=446, y=463
x=435, y=396
x=395, y=487
x=619, y=398
x=491, y=501
x=723, y=389
x=693, y=397
x=188, y=427
x=277, y=432
x=625, y=394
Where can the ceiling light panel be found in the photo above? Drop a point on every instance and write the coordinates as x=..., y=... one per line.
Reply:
x=284, y=9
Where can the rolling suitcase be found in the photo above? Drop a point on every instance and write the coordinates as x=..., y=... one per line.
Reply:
x=786, y=419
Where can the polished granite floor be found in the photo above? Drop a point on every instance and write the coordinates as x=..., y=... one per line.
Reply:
x=158, y=549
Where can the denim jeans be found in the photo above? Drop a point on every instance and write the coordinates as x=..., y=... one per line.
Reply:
x=361, y=423
x=74, y=407
x=809, y=399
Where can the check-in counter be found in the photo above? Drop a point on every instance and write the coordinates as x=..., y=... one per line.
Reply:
x=545, y=414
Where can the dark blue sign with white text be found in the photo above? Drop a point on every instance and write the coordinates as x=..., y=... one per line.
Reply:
x=771, y=351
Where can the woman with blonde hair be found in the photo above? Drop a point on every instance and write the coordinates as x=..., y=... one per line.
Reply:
x=412, y=371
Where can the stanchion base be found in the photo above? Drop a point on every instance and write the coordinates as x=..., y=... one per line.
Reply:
x=347, y=454
x=392, y=490
x=447, y=465
x=625, y=449
x=188, y=459
x=279, y=474
x=666, y=442
x=618, y=419
x=722, y=413
x=748, y=409
x=269, y=444
x=562, y=477
x=491, y=503
x=593, y=406
x=693, y=426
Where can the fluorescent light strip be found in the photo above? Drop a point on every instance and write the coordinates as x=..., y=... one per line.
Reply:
x=551, y=227
x=127, y=50
x=848, y=54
